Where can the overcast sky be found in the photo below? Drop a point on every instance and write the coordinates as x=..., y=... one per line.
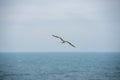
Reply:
x=91, y=25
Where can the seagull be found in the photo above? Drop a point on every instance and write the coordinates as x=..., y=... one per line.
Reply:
x=63, y=41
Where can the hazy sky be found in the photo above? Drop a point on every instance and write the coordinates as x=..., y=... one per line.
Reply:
x=91, y=25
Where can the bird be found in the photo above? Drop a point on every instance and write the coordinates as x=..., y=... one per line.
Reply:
x=63, y=41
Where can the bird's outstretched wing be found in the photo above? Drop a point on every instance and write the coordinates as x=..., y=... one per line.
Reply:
x=70, y=44
x=58, y=37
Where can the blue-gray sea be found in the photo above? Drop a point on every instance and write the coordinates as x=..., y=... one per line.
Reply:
x=60, y=66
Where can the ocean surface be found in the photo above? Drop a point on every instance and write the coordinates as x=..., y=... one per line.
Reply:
x=59, y=66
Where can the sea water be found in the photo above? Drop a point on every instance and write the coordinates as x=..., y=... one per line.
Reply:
x=59, y=66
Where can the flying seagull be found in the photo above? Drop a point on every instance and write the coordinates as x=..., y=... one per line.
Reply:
x=63, y=41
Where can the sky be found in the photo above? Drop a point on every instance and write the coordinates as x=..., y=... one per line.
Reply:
x=91, y=25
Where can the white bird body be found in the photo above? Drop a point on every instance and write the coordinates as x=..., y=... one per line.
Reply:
x=64, y=41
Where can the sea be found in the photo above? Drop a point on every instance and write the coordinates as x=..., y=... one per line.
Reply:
x=60, y=66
